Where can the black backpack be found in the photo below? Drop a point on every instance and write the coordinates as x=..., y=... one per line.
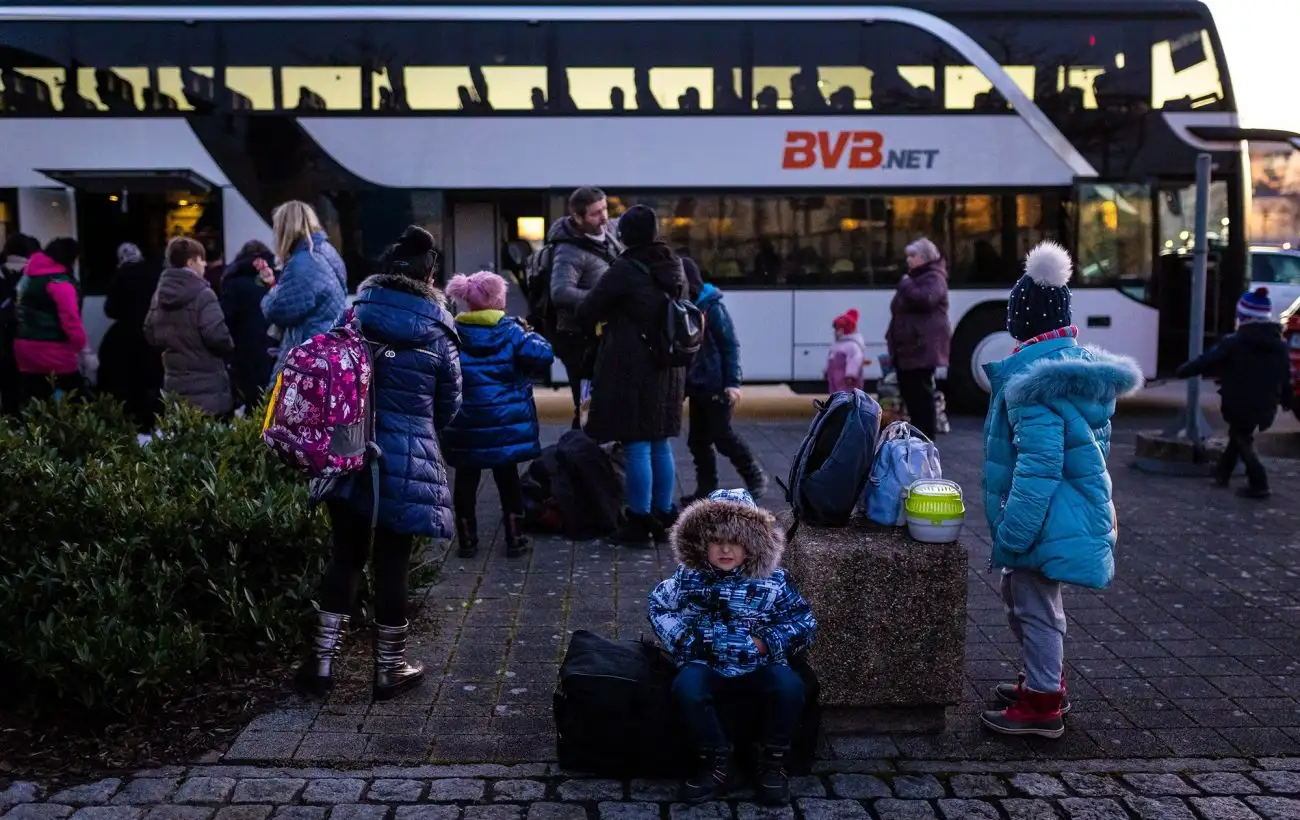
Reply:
x=834, y=460
x=537, y=283
x=574, y=488
x=681, y=333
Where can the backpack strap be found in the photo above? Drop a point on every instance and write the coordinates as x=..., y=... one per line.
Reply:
x=374, y=453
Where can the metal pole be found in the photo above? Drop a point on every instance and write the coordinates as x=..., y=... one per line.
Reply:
x=1200, y=273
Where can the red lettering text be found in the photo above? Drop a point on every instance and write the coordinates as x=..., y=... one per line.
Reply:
x=800, y=150
x=865, y=149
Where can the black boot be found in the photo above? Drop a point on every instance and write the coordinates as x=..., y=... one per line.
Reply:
x=315, y=676
x=1259, y=493
x=637, y=530
x=773, y=784
x=516, y=544
x=466, y=537
x=755, y=479
x=665, y=520
x=711, y=779
x=393, y=675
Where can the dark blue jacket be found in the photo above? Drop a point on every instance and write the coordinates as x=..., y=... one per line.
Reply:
x=417, y=394
x=241, y=301
x=1254, y=372
x=497, y=423
x=717, y=366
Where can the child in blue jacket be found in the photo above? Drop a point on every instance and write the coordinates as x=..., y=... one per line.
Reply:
x=1047, y=492
x=733, y=621
x=496, y=427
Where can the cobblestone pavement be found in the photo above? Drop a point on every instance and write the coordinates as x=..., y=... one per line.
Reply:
x=1192, y=652
x=1228, y=789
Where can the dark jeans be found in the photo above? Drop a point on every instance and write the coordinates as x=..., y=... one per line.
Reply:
x=1241, y=445
x=391, y=562
x=916, y=388
x=465, y=492
x=697, y=686
x=573, y=351
x=711, y=428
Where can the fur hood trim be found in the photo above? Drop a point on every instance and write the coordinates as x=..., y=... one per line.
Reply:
x=405, y=284
x=1096, y=376
x=752, y=527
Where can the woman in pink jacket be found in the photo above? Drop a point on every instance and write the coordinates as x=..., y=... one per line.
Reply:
x=50, y=337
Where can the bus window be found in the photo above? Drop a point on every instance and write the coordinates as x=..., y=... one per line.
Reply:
x=1115, y=236
x=122, y=67
x=33, y=67
x=1178, y=218
x=965, y=88
x=810, y=67
x=338, y=88
x=1184, y=72
x=302, y=67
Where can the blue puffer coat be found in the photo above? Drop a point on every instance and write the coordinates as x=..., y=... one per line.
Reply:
x=1047, y=492
x=308, y=296
x=497, y=423
x=417, y=394
x=717, y=366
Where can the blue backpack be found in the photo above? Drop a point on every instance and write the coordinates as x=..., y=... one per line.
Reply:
x=834, y=461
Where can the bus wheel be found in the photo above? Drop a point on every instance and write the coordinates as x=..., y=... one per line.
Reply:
x=981, y=337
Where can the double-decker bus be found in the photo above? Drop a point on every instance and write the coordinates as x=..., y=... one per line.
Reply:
x=793, y=150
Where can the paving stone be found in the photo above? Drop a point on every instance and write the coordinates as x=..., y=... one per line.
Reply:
x=1225, y=783
x=301, y=813
x=38, y=811
x=427, y=812
x=179, y=813
x=1038, y=785
x=1088, y=808
x=657, y=791
x=813, y=808
x=864, y=747
x=1276, y=808
x=1020, y=809
x=205, y=790
x=1160, y=784
x=334, y=790
x=518, y=790
x=358, y=811
x=395, y=791
x=892, y=809
x=252, y=812
x=1094, y=785
x=268, y=789
x=108, y=813
x=912, y=787
x=807, y=786
x=1280, y=782
x=968, y=810
x=146, y=791
x=977, y=785
x=1159, y=808
x=587, y=790
x=493, y=812
x=705, y=811
x=859, y=786
x=628, y=811
x=1222, y=808
x=455, y=789
x=89, y=794
x=556, y=811
x=753, y=811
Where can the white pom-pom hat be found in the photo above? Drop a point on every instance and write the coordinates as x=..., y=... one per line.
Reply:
x=1040, y=301
x=1049, y=265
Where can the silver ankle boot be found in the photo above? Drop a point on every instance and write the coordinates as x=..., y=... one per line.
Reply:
x=393, y=675
x=315, y=676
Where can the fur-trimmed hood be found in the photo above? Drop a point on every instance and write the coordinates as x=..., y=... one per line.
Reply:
x=405, y=284
x=752, y=527
x=396, y=309
x=1091, y=375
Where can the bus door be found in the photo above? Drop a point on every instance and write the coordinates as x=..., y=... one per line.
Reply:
x=497, y=233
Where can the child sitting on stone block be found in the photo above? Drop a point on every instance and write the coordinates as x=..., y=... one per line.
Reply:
x=732, y=620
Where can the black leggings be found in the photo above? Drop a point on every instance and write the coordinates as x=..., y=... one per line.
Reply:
x=465, y=494
x=916, y=388
x=392, y=566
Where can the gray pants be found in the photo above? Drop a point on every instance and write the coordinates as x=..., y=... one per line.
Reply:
x=1036, y=615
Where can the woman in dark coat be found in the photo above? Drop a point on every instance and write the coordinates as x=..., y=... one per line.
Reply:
x=242, y=287
x=417, y=392
x=919, y=332
x=633, y=399
x=131, y=369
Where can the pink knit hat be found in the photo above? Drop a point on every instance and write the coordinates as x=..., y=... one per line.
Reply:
x=478, y=291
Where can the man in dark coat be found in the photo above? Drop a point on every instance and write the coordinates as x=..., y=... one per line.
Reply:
x=242, y=289
x=633, y=399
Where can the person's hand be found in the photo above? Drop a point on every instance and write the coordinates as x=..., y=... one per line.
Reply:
x=733, y=396
x=265, y=273
x=762, y=647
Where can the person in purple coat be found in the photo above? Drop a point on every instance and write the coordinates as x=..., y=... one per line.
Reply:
x=919, y=332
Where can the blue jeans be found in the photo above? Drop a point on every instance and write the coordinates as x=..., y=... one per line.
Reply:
x=696, y=686
x=651, y=476
x=1036, y=614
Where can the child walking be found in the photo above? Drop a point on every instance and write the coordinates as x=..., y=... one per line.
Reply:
x=847, y=356
x=713, y=387
x=1254, y=371
x=497, y=426
x=733, y=621
x=1047, y=492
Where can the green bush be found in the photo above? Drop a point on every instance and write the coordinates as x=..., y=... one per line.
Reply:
x=129, y=572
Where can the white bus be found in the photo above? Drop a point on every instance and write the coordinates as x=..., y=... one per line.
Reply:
x=792, y=149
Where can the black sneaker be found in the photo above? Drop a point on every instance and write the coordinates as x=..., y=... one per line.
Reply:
x=1259, y=493
x=635, y=531
x=711, y=779
x=773, y=784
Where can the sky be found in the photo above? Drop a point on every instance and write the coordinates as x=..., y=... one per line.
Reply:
x=1261, y=41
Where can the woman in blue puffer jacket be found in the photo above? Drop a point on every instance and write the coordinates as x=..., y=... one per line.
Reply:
x=416, y=387
x=1047, y=492
x=497, y=426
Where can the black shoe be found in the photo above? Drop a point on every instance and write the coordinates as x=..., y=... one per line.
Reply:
x=517, y=545
x=1259, y=493
x=1221, y=480
x=466, y=538
x=665, y=520
x=637, y=530
x=711, y=779
x=773, y=784
x=755, y=482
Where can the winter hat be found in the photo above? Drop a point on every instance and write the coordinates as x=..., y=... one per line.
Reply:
x=1040, y=301
x=128, y=253
x=1255, y=306
x=694, y=280
x=848, y=323
x=740, y=496
x=638, y=226
x=478, y=291
x=413, y=255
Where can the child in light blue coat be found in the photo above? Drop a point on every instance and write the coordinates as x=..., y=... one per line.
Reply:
x=1047, y=491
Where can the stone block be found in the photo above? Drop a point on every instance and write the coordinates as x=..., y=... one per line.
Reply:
x=1176, y=455
x=903, y=673
x=38, y=811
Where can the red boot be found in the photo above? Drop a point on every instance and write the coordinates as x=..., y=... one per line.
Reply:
x=1009, y=693
x=1033, y=713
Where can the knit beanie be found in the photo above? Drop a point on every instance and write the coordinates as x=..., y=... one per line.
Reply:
x=413, y=255
x=1040, y=301
x=1255, y=306
x=848, y=323
x=694, y=280
x=478, y=291
x=638, y=226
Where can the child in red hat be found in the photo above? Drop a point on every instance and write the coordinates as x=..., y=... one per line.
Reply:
x=847, y=356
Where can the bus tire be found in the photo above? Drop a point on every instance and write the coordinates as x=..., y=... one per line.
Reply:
x=965, y=391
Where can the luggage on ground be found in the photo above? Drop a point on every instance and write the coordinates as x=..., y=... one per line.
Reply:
x=833, y=462
x=574, y=488
x=904, y=455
